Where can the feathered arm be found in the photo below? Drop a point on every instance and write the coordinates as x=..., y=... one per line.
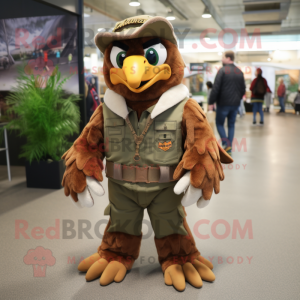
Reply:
x=84, y=158
x=203, y=155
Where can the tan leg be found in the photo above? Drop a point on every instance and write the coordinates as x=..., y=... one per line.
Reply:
x=181, y=261
x=176, y=248
x=114, y=258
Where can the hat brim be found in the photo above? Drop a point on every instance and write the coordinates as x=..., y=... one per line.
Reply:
x=156, y=26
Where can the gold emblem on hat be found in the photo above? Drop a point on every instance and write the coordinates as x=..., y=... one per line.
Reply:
x=129, y=22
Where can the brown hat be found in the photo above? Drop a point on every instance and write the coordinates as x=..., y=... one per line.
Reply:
x=137, y=27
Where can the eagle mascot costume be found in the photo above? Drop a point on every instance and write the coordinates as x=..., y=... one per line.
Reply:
x=161, y=155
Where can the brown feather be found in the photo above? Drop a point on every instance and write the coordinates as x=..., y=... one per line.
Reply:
x=85, y=157
x=203, y=155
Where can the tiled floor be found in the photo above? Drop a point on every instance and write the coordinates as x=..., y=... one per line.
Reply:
x=261, y=190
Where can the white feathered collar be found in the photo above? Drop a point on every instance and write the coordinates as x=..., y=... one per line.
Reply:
x=171, y=97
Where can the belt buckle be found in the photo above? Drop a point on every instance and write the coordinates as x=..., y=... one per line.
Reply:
x=141, y=174
x=164, y=174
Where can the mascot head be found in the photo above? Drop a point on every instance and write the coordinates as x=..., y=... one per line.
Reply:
x=141, y=58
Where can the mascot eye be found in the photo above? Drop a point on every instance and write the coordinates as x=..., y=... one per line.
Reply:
x=156, y=55
x=117, y=56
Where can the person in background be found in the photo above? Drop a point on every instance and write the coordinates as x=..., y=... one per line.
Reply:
x=297, y=103
x=228, y=90
x=200, y=82
x=258, y=88
x=268, y=98
x=70, y=58
x=209, y=86
x=281, y=94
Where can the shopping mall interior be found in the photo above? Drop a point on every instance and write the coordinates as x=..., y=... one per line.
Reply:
x=187, y=112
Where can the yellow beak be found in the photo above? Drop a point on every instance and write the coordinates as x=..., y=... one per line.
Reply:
x=136, y=70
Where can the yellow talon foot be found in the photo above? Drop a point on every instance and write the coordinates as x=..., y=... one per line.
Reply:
x=204, y=271
x=114, y=271
x=206, y=262
x=94, y=266
x=87, y=262
x=96, y=269
x=177, y=275
x=174, y=276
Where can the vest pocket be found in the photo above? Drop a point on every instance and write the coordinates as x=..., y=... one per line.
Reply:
x=165, y=148
x=115, y=130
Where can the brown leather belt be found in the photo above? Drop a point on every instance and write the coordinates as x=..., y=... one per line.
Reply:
x=146, y=174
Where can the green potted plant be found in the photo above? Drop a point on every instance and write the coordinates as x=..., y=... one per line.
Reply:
x=46, y=116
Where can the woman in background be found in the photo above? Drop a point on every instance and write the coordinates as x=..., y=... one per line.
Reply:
x=281, y=95
x=259, y=87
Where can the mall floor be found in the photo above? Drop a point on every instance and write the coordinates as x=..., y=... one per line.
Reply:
x=261, y=190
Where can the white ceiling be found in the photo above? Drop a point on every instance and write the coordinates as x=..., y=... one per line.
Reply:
x=226, y=14
x=120, y=10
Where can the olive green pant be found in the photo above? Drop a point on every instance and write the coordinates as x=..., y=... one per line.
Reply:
x=126, y=210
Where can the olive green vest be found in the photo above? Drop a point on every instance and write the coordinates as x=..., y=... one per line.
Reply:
x=162, y=144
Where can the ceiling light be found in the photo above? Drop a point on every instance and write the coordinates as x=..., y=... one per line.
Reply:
x=206, y=14
x=134, y=3
x=86, y=15
x=269, y=59
x=170, y=16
